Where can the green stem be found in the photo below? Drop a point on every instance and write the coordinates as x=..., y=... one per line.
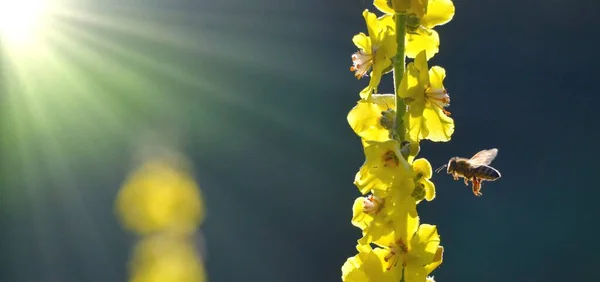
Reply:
x=399, y=63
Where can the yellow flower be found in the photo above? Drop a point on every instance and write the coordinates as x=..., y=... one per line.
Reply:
x=383, y=164
x=392, y=7
x=426, y=97
x=166, y=257
x=373, y=119
x=424, y=188
x=376, y=50
x=159, y=197
x=368, y=266
x=423, y=16
x=373, y=214
x=419, y=255
x=420, y=33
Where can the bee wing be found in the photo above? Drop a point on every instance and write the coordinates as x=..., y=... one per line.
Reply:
x=484, y=157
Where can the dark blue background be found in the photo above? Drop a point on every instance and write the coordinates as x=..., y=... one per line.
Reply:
x=264, y=119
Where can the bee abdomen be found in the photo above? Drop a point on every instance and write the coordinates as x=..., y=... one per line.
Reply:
x=487, y=173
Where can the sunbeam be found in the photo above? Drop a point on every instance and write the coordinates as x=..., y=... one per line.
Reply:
x=21, y=21
x=217, y=90
x=56, y=163
x=81, y=82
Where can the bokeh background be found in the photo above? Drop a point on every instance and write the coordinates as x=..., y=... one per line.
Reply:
x=255, y=94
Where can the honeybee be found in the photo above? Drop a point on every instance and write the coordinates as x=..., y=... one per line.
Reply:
x=475, y=169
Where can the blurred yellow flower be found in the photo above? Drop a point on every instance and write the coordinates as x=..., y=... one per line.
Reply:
x=373, y=119
x=158, y=197
x=376, y=50
x=427, y=99
x=166, y=257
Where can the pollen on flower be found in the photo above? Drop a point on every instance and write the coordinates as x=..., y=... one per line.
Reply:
x=361, y=63
x=372, y=204
x=390, y=159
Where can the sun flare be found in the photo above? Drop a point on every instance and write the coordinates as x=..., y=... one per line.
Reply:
x=20, y=20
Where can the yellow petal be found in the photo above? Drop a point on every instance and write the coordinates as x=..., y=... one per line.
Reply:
x=410, y=81
x=386, y=39
x=440, y=127
x=437, y=260
x=366, y=93
x=388, y=46
x=429, y=189
x=359, y=218
x=378, y=232
x=422, y=67
x=422, y=168
x=398, y=218
x=419, y=7
x=371, y=21
x=387, y=21
x=383, y=6
x=424, y=40
x=393, y=275
x=365, y=117
x=439, y=12
x=393, y=6
x=368, y=266
x=436, y=77
x=382, y=165
x=415, y=273
x=424, y=245
x=379, y=66
x=363, y=42
x=417, y=129
x=352, y=272
x=406, y=219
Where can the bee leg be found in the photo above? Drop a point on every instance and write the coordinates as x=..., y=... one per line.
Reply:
x=476, y=186
x=466, y=182
x=455, y=176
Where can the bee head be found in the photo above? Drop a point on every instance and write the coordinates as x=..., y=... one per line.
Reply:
x=451, y=165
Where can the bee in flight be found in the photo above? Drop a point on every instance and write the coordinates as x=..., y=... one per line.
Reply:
x=475, y=169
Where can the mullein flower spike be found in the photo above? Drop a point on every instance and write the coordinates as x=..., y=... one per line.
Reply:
x=395, y=246
x=162, y=203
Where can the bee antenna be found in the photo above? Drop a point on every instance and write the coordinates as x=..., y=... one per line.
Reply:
x=437, y=170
